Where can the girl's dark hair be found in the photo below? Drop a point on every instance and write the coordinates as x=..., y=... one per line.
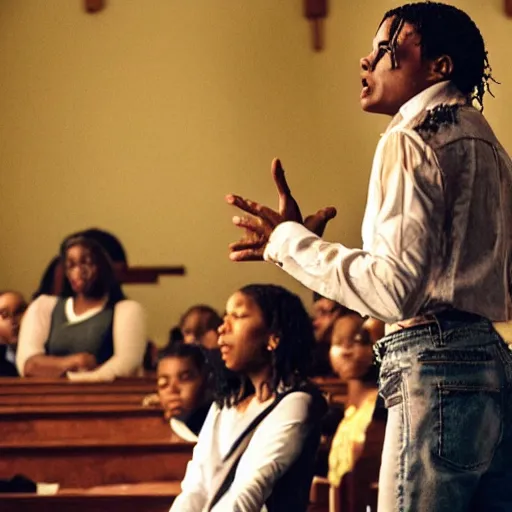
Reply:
x=446, y=30
x=106, y=282
x=47, y=283
x=185, y=351
x=286, y=318
x=210, y=319
x=108, y=241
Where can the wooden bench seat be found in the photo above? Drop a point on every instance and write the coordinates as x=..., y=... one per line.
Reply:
x=96, y=462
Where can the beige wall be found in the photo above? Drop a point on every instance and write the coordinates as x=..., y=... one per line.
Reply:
x=140, y=118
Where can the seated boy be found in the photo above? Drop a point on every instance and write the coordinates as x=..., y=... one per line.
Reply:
x=182, y=376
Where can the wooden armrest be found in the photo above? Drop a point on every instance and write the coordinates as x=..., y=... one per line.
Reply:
x=319, y=492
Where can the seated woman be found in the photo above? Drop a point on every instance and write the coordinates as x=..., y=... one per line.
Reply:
x=256, y=448
x=182, y=383
x=91, y=332
x=352, y=359
x=12, y=307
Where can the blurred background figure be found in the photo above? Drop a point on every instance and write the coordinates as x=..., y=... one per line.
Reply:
x=52, y=279
x=90, y=331
x=324, y=313
x=351, y=357
x=199, y=324
x=12, y=308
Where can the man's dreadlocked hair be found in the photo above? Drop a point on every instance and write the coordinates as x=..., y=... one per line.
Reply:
x=446, y=30
x=285, y=317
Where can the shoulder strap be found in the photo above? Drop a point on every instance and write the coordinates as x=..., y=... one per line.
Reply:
x=224, y=477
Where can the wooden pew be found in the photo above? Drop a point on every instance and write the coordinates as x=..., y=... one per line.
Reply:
x=70, y=433
x=24, y=393
x=24, y=401
x=21, y=426
x=91, y=463
x=10, y=386
x=129, y=500
x=334, y=389
x=359, y=488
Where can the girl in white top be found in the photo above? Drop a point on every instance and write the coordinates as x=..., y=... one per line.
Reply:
x=265, y=342
x=91, y=332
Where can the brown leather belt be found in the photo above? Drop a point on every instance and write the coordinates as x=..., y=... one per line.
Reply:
x=409, y=322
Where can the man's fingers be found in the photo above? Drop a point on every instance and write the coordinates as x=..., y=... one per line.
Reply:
x=318, y=221
x=244, y=204
x=247, y=255
x=251, y=224
x=287, y=206
x=279, y=179
x=246, y=244
x=252, y=207
x=327, y=213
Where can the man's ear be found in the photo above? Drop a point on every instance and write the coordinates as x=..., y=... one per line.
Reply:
x=441, y=68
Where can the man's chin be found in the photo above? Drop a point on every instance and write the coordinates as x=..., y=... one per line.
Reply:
x=370, y=107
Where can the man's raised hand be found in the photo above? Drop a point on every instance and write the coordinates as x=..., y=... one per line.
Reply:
x=262, y=220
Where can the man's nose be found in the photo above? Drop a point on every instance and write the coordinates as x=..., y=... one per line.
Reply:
x=365, y=64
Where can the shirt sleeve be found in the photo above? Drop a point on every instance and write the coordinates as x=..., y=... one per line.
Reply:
x=275, y=445
x=194, y=491
x=130, y=338
x=388, y=279
x=34, y=330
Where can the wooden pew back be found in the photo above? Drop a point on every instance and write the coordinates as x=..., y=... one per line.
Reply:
x=94, y=462
x=24, y=426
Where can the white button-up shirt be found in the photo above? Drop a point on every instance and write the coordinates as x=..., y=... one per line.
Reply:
x=275, y=445
x=437, y=231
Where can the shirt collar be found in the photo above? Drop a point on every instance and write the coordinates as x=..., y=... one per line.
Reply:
x=445, y=93
x=180, y=428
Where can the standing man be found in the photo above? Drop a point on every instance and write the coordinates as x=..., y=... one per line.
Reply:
x=435, y=264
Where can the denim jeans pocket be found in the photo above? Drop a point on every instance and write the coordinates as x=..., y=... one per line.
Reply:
x=468, y=425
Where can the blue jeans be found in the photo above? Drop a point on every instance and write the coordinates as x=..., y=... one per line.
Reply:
x=448, y=446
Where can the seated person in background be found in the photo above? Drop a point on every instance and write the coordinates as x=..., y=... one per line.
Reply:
x=91, y=332
x=182, y=383
x=258, y=443
x=352, y=359
x=175, y=336
x=12, y=307
x=199, y=324
x=325, y=312
x=53, y=277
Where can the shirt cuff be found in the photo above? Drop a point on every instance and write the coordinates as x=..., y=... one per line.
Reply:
x=277, y=246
